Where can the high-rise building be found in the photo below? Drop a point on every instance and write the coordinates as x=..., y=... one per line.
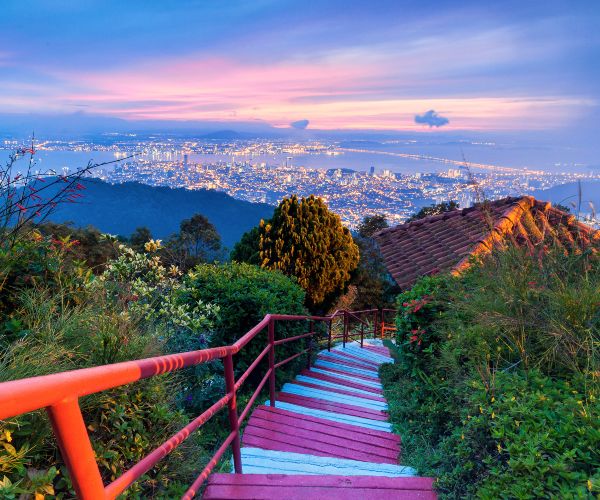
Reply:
x=372, y=171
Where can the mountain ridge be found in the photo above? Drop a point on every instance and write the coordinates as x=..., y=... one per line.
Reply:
x=121, y=208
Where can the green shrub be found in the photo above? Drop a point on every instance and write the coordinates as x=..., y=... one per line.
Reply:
x=496, y=382
x=529, y=436
x=417, y=309
x=245, y=294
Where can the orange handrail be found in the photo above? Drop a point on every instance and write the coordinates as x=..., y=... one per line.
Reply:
x=59, y=394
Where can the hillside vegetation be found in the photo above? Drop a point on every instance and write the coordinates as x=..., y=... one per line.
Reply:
x=56, y=315
x=120, y=208
x=496, y=382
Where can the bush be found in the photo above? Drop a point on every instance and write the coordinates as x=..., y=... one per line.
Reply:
x=69, y=319
x=245, y=294
x=529, y=434
x=417, y=309
x=496, y=382
x=305, y=240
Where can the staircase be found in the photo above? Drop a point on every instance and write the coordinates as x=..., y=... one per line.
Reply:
x=327, y=437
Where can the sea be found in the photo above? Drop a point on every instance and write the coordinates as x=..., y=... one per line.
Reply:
x=432, y=158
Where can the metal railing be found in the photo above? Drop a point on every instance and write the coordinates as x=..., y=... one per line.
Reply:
x=386, y=324
x=59, y=395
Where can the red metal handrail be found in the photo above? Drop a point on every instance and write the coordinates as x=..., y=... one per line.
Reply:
x=59, y=394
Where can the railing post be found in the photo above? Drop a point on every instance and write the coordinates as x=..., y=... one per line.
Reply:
x=310, y=341
x=329, y=334
x=76, y=449
x=233, y=415
x=376, y=317
x=272, y=362
x=362, y=333
x=345, y=333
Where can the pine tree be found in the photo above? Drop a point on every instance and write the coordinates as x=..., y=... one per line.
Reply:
x=304, y=239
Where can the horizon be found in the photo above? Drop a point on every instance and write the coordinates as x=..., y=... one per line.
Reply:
x=287, y=67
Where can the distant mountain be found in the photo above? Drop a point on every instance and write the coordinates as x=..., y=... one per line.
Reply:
x=228, y=135
x=567, y=195
x=120, y=208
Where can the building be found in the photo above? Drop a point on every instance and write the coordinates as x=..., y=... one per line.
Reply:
x=448, y=242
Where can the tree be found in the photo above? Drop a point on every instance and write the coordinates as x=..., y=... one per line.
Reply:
x=304, y=239
x=371, y=224
x=375, y=286
x=248, y=248
x=435, y=209
x=198, y=241
x=139, y=238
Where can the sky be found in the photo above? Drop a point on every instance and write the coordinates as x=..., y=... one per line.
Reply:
x=370, y=65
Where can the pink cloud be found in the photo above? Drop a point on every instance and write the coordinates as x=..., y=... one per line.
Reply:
x=348, y=89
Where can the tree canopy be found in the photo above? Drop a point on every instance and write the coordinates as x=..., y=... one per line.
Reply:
x=248, y=248
x=371, y=224
x=374, y=285
x=304, y=239
x=435, y=209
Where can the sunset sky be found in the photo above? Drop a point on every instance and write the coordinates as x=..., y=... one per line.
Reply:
x=504, y=65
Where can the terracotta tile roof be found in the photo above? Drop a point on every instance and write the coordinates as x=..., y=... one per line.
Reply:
x=447, y=241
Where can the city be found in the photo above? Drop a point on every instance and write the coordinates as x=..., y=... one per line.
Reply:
x=265, y=171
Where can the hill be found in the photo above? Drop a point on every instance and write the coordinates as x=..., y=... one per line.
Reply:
x=120, y=208
x=567, y=195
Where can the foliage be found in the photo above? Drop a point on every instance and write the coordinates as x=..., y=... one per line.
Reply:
x=435, y=209
x=417, y=309
x=68, y=336
x=374, y=285
x=304, y=239
x=36, y=260
x=495, y=389
x=198, y=241
x=530, y=435
x=70, y=319
x=244, y=295
x=150, y=290
x=139, y=238
x=248, y=248
x=372, y=224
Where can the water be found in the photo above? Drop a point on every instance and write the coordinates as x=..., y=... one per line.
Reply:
x=57, y=160
x=548, y=158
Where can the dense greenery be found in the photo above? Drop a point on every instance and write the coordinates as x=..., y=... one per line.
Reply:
x=244, y=294
x=248, y=248
x=374, y=285
x=304, y=239
x=495, y=389
x=121, y=208
x=56, y=309
x=197, y=241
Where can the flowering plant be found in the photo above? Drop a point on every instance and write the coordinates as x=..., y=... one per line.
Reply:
x=153, y=292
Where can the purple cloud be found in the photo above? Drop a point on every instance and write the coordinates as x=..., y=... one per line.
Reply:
x=432, y=119
x=300, y=124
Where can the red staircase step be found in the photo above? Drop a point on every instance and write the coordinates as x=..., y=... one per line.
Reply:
x=266, y=439
x=349, y=373
x=348, y=363
x=340, y=391
x=326, y=441
x=321, y=404
x=384, y=351
x=362, y=360
x=347, y=428
x=342, y=381
x=298, y=487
